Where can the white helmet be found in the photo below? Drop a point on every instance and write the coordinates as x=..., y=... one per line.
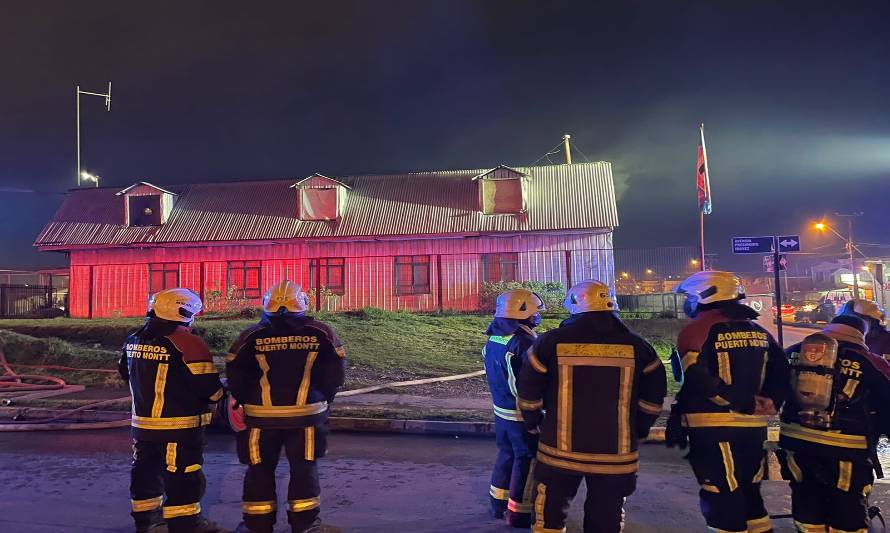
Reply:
x=864, y=308
x=590, y=296
x=711, y=286
x=175, y=305
x=288, y=295
x=519, y=304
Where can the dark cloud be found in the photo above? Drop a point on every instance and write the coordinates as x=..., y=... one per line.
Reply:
x=793, y=96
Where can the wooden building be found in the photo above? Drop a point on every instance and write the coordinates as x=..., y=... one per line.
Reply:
x=422, y=241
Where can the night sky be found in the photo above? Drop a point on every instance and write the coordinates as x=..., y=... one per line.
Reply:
x=794, y=97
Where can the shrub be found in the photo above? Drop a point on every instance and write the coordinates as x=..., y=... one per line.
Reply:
x=552, y=292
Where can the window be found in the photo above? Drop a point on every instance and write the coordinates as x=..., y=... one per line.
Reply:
x=332, y=270
x=501, y=196
x=412, y=274
x=244, y=278
x=145, y=210
x=318, y=204
x=499, y=267
x=162, y=276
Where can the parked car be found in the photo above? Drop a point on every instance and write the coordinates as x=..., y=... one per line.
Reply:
x=787, y=312
x=815, y=312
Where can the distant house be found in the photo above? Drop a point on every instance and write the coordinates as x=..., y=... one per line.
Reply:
x=423, y=241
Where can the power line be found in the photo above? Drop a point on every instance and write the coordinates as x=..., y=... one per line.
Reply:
x=573, y=145
x=553, y=151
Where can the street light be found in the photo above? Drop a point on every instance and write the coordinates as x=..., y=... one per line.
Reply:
x=86, y=176
x=78, y=92
x=848, y=241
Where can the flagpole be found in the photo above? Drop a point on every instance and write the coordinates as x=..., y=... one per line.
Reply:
x=701, y=210
x=701, y=218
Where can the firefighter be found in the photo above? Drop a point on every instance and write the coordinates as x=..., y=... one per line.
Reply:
x=591, y=388
x=284, y=371
x=734, y=375
x=827, y=435
x=878, y=338
x=510, y=334
x=172, y=379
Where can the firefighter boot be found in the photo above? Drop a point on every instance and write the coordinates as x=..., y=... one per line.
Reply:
x=206, y=526
x=242, y=528
x=518, y=520
x=152, y=522
x=316, y=527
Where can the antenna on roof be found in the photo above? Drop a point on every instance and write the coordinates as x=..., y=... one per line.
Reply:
x=107, y=97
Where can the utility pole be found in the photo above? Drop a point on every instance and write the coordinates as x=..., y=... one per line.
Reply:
x=778, y=291
x=77, y=93
x=568, y=148
x=850, y=248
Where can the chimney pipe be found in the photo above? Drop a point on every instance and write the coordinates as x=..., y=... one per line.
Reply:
x=568, y=148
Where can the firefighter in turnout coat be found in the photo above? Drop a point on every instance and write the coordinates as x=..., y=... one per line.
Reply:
x=841, y=394
x=878, y=338
x=592, y=388
x=284, y=371
x=734, y=376
x=172, y=379
x=510, y=334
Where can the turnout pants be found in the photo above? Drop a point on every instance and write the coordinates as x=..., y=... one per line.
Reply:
x=729, y=469
x=511, y=481
x=603, y=509
x=172, y=469
x=827, y=495
x=260, y=450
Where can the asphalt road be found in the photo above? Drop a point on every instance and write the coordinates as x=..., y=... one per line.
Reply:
x=77, y=482
x=791, y=335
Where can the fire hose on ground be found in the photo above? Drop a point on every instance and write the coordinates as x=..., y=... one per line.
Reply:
x=13, y=382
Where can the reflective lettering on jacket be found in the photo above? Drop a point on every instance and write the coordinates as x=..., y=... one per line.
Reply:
x=726, y=363
x=285, y=371
x=172, y=379
x=861, y=396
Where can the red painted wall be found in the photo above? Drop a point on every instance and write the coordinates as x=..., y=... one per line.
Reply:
x=114, y=281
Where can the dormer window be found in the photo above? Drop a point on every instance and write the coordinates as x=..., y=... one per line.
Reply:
x=320, y=198
x=502, y=191
x=146, y=204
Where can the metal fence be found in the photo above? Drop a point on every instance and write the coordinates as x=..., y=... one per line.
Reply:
x=662, y=305
x=18, y=301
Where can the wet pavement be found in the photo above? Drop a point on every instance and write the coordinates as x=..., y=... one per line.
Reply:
x=77, y=482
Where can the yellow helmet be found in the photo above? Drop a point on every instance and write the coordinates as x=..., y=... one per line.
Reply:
x=711, y=286
x=176, y=305
x=590, y=296
x=519, y=304
x=285, y=294
x=864, y=308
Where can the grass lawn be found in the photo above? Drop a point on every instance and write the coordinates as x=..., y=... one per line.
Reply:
x=394, y=345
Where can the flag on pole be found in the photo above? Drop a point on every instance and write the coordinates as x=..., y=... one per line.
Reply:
x=702, y=180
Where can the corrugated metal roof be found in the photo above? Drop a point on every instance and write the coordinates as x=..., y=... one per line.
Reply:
x=560, y=197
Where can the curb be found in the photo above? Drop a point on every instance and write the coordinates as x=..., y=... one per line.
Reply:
x=461, y=429
x=362, y=425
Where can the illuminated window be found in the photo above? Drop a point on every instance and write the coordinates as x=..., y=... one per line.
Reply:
x=319, y=204
x=162, y=276
x=501, y=196
x=499, y=267
x=412, y=273
x=243, y=277
x=332, y=273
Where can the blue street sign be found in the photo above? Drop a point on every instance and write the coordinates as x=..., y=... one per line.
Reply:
x=752, y=245
x=789, y=243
